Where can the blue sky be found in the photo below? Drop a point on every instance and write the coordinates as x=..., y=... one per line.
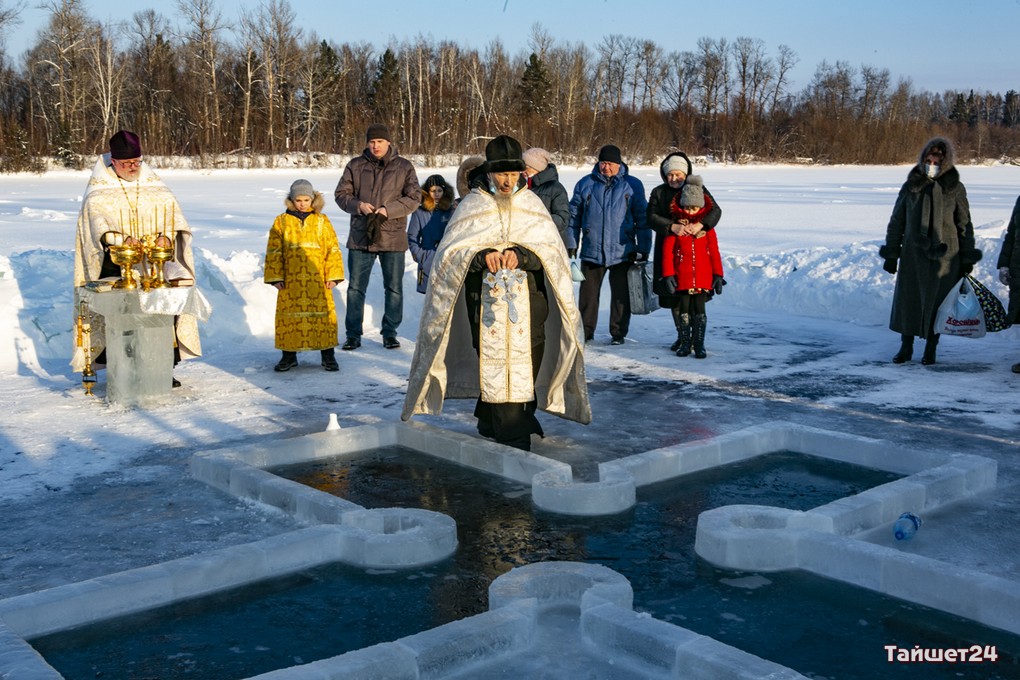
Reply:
x=938, y=44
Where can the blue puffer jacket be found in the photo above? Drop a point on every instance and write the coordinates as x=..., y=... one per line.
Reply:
x=607, y=218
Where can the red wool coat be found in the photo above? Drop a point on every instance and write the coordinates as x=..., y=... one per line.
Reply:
x=693, y=260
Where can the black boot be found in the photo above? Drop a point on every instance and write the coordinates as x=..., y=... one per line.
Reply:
x=930, y=345
x=329, y=360
x=906, y=349
x=684, y=329
x=676, y=322
x=699, y=323
x=287, y=362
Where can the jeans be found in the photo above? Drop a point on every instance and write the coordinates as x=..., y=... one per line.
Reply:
x=359, y=270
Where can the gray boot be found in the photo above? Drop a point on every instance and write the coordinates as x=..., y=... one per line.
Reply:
x=683, y=328
x=699, y=323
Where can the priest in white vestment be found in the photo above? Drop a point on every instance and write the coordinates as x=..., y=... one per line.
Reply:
x=125, y=202
x=499, y=322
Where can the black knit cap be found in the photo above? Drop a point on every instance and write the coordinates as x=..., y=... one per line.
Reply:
x=435, y=181
x=503, y=154
x=378, y=131
x=610, y=154
x=125, y=145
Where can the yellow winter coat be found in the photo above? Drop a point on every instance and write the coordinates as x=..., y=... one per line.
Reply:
x=304, y=255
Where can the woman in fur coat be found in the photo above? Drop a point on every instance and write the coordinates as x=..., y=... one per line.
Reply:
x=929, y=246
x=428, y=224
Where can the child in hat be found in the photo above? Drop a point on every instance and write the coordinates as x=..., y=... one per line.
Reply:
x=692, y=267
x=303, y=262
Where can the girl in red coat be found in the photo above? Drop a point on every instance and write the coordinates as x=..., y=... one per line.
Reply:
x=692, y=267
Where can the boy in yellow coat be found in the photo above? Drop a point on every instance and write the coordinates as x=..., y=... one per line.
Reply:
x=304, y=263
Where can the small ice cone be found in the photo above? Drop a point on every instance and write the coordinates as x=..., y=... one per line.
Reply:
x=333, y=424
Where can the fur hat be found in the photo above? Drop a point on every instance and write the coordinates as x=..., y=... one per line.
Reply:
x=467, y=173
x=503, y=154
x=692, y=195
x=301, y=187
x=377, y=131
x=125, y=145
x=537, y=158
x=943, y=145
x=610, y=154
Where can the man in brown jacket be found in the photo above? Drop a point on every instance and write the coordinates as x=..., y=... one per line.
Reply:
x=379, y=189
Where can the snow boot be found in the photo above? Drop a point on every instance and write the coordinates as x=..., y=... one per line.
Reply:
x=700, y=322
x=930, y=346
x=683, y=346
x=906, y=349
x=286, y=362
x=676, y=322
x=329, y=362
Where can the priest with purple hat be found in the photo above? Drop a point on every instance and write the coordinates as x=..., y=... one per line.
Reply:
x=125, y=202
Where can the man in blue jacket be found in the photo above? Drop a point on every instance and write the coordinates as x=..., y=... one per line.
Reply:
x=607, y=224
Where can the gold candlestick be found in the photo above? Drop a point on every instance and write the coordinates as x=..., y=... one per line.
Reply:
x=88, y=374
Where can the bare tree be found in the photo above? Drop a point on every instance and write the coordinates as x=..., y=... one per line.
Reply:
x=714, y=73
x=203, y=46
x=59, y=67
x=784, y=64
x=106, y=82
x=273, y=32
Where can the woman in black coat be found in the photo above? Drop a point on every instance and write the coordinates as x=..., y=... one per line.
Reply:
x=544, y=181
x=674, y=169
x=929, y=246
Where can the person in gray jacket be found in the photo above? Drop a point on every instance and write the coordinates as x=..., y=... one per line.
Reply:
x=379, y=189
x=929, y=246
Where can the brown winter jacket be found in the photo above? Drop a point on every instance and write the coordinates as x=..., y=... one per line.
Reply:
x=389, y=182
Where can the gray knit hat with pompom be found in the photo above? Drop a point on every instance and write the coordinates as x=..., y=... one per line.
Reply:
x=693, y=193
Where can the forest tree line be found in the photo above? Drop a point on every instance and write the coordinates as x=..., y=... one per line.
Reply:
x=198, y=85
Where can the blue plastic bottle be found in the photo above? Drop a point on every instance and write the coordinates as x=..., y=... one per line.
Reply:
x=906, y=526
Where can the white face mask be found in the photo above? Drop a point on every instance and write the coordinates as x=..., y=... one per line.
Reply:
x=932, y=170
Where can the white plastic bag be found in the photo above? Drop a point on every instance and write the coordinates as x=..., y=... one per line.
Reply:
x=960, y=313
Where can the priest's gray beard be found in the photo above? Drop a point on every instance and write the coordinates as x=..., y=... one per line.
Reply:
x=503, y=201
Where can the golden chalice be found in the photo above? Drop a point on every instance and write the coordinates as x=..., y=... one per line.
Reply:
x=158, y=256
x=126, y=257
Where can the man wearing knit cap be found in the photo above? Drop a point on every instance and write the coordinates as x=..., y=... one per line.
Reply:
x=125, y=202
x=544, y=180
x=379, y=189
x=499, y=323
x=608, y=225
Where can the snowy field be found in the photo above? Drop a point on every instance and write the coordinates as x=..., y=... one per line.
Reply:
x=799, y=333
